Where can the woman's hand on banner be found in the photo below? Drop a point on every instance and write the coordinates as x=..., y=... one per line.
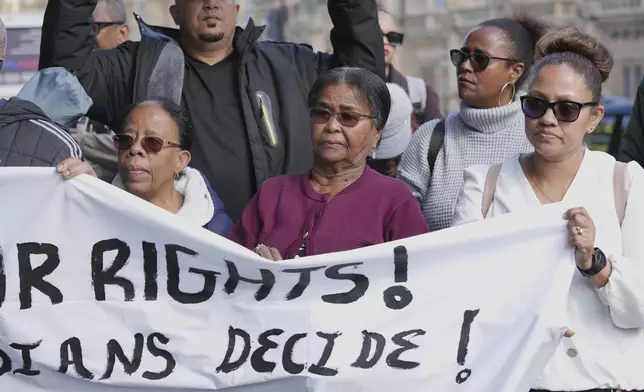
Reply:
x=72, y=167
x=582, y=236
x=268, y=252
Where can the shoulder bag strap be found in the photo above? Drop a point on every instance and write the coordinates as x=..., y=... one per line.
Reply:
x=621, y=190
x=490, y=188
x=435, y=144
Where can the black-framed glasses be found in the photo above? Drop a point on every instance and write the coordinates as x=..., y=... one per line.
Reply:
x=394, y=38
x=479, y=60
x=347, y=119
x=566, y=111
x=151, y=144
x=98, y=26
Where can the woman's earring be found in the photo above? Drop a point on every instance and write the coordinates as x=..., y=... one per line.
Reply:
x=514, y=91
x=372, y=154
x=175, y=176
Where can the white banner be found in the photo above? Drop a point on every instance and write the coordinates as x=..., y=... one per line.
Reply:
x=101, y=291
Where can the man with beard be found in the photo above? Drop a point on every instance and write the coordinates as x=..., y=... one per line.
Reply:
x=246, y=98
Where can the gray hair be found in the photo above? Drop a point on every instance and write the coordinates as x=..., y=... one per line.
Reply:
x=116, y=10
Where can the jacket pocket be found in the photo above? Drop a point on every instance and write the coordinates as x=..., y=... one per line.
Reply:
x=266, y=113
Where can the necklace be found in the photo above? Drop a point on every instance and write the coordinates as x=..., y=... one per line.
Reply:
x=532, y=180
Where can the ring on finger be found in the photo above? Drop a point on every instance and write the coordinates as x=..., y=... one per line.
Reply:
x=579, y=230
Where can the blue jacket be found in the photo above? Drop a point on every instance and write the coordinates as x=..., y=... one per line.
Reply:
x=220, y=222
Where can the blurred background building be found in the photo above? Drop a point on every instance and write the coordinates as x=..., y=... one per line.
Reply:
x=431, y=28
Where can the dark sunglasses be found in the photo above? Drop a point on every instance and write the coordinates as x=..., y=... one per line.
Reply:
x=566, y=111
x=394, y=38
x=479, y=60
x=346, y=118
x=151, y=144
x=98, y=26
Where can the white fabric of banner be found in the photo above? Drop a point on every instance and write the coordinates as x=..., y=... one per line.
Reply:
x=101, y=291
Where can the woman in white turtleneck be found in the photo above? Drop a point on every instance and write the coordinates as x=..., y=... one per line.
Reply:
x=489, y=126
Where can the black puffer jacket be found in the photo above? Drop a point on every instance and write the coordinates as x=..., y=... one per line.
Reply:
x=29, y=138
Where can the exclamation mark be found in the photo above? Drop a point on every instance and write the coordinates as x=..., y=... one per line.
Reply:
x=468, y=318
x=398, y=297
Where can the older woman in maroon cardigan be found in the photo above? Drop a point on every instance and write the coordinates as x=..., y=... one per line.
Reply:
x=341, y=204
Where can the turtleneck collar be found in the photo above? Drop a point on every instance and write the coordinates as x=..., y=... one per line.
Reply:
x=198, y=207
x=493, y=119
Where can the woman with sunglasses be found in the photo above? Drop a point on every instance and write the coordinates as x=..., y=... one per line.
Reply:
x=341, y=204
x=605, y=224
x=153, y=156
x=490, y=69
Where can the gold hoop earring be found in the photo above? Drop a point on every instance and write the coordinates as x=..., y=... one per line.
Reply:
x=514, y=91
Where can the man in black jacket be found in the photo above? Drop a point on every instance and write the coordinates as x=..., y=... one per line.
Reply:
x=246, y=98
x=33, y=125
x=632, y=148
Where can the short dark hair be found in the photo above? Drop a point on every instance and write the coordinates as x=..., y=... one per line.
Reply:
x=365, y=83
x=116, y=10
x=523, y=33
x=175, y=111
x=581, y=52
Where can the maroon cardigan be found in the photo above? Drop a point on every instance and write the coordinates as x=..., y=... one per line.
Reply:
x=287, y=213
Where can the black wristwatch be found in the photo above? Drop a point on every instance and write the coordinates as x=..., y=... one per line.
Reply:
x=599, y=263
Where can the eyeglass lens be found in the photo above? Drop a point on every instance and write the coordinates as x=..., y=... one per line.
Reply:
x=394, y=38
x=564, y=111
x=478, y=60
x=346, y=119
x=150, y=144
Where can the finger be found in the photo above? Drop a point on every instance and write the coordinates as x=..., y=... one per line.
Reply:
x=74, y=169
x=264, y=252
x=572, y=212
x=582, y=229
x=64, y=165
x=581, y=217
x=78, y=168
x=569, y=334
x=582, y=244
x=572, y=241
x=275, y=254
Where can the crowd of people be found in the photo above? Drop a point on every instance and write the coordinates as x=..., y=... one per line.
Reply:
x=291, y=152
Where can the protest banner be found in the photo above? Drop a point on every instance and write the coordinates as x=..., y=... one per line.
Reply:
x=102, y=291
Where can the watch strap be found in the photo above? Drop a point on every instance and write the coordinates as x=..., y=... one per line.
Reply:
x=598, y=264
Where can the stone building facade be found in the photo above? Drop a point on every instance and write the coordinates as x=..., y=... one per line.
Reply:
x=432, y=27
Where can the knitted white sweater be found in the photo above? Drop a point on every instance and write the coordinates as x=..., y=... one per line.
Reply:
x=472, y=136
